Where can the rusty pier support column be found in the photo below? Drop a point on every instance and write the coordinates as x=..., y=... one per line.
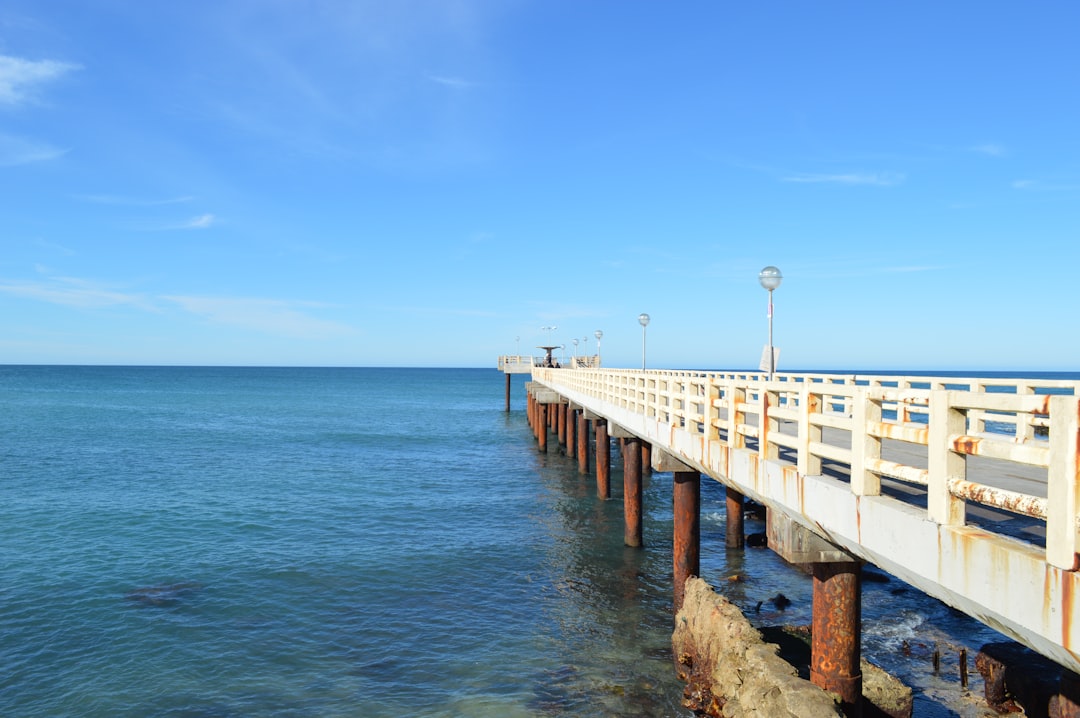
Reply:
x=542, y=425
x=530, y=408
x=583, y=443
x=736, y=533
x=646, y=457
x=603, y=460
x=508, y=392
x=632, y=533
x=834, y=660
x=687, y=539
x=562, y=423
x=571, y=431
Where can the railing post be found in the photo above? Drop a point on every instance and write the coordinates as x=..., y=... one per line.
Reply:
x=864, y=447
x=809, y=404
x=736, y=416
x=1062, y=483
x=943, y=463
x=767, y=425
x=712, y=411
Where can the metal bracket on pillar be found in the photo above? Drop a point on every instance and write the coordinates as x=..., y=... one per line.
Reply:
x=797, y=544
x=663, y=462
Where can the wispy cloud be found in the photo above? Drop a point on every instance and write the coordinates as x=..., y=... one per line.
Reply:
x=269, y=316
x=454, y=82
x=990, y=149
x=202, y=221
x=130, y=201
x=21, y=151
x=1043, y=186
x=73, y=292
x=878, y=179
x=19, y=78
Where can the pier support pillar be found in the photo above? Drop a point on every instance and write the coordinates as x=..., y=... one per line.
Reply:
x=603, y=460
x=735, y=532
x=571, y=430
x=632, y=533
x=687, y=539
x=542, y=426
x=834, y=653
x=836, y=630
x=508, y=393
x=562, y=423
x=583, y=443
x=646, y=457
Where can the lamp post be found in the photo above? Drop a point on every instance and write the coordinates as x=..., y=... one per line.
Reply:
x=517, y=351
x=599, y=335
x=643, y=320
x=575, y=346
x=770, y=279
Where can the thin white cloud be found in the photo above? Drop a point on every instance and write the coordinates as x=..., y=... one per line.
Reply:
x=990, y=148
x=19, y=78
x=1041, y=186
x=203, y=221
x=454, y=82
x=73, y=292
x=130, y=201
x=21, y=151
x=268, y=316
x=878, y=179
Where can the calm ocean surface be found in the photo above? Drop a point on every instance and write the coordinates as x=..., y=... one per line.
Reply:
x=352, y=542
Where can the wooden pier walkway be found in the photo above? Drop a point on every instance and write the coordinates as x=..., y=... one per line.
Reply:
x=965, y=488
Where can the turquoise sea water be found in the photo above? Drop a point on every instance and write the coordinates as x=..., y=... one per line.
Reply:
x=310, y=542
x=353, y=542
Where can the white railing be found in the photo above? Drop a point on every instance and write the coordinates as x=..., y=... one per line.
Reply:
x=509, y=362
x=809, y=419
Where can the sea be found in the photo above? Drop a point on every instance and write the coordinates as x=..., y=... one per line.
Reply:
x=210, y=542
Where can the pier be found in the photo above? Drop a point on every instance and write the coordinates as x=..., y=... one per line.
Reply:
x=966, y=488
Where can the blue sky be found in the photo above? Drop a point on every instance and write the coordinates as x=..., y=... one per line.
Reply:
x=428, y=183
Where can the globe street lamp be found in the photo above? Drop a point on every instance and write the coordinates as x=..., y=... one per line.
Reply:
x=643, y=320
x=574, y=341
x=770, y=279
x=598, y=334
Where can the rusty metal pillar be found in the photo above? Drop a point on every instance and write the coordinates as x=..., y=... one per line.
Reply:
x=736, y=534
x=632, y=533
x=687, y=539
x=508, y=392
x=571, y=431
x=583, y=444
x=603, y=460
x=529, y=409
x=542, y=426
x=646, y=457
x=562, y=423
x=834, y=653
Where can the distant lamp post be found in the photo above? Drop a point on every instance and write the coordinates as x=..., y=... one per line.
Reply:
x=643, y=320
x=518, y=350
x=599, y=335
x=575, y=346
x=770, y=279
